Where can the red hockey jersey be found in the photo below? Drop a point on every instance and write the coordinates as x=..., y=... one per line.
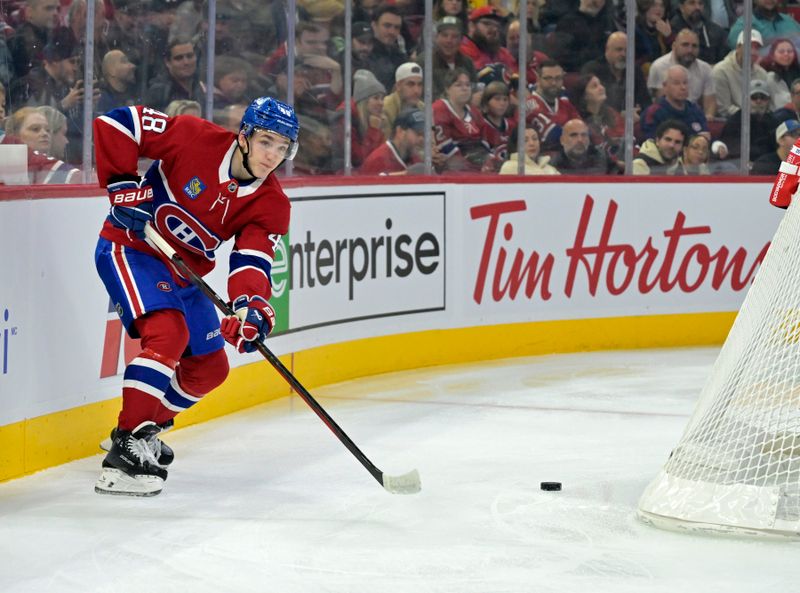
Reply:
x=198, y=204
x=460, y=137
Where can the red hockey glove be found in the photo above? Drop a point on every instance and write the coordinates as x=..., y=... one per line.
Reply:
x=787, y=181
x=131, y=205
x=253, y=321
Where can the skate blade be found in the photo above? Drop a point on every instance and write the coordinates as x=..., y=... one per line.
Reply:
x=105, y=444
x=118, y=483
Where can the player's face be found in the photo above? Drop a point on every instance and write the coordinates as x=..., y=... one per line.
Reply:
x=267, y=151
x=35, y=133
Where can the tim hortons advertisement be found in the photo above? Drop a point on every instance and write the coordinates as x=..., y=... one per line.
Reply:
x=568, y=251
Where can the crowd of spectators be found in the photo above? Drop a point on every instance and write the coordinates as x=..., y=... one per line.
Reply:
x=687, y=80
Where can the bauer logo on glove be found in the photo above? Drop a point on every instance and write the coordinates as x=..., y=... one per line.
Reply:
x=253, y=321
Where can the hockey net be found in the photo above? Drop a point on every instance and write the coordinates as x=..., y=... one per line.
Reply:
x=736, y=468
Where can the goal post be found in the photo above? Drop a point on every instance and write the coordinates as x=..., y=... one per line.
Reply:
x=736, y=468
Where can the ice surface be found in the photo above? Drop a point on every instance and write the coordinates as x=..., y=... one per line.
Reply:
x=268, y=500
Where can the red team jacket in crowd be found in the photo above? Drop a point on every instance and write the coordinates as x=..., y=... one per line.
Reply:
x=198, y=205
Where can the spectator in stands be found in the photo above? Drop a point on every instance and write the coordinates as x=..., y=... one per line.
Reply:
x=387, y=54
x=452, y=8
x=611, y=70
x=314, y=156
x=30, y=36
x=52, y=82
x=499, y=125
x=180, y=80
x=652, y=33
x=694, y=160
x=786, y=135
x=156, y=25
x=232, y=76
x=791, y=110
x=126, y=33
x=581, y=34
x=762, y=124
x=118, y=86
x=57, y=126
x=675, y=104
x=311, y=39
x=535, y=162
x=534, y=56
x=547, y=110
x=685, y=49
x=606, y=126
x=577, y=155
x=659, y=156
x=29, y=126
x=367, y=109
x=712, y=38
x=230, y=117
x=483, y=42
x=728, y=76
x=407, y=94
x=781, y=61
x=459, y=128
x=361, y=47
x=403, y=149
x=767, y=21
x=183, y=107
x=447, y=53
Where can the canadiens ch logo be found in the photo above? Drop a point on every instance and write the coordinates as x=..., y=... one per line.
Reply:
x=164, y=286
x=194, y=188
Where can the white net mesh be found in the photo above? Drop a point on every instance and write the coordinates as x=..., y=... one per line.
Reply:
x=737, y=465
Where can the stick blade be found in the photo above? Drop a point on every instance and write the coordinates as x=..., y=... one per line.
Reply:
x=406, y=484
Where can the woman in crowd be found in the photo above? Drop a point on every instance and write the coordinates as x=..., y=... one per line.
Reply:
x=781, y=61
x=367, y=135
x=29, y=125
x=694, y=160
x=606, y=126
x=456, y=8
x=535, y=163
x=459, y=128
x=57, y=125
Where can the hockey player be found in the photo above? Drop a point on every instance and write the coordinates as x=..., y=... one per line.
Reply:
x=206, y=185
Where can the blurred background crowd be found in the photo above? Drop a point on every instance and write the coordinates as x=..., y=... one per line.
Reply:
x=695, y=99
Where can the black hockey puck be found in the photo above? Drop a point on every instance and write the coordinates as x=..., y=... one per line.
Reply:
x=552, y=486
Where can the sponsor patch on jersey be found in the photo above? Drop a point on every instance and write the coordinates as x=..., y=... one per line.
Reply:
x=164, y=286
x=194, y=188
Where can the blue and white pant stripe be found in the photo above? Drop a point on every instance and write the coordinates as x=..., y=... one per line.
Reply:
x=147, y=375
x=176, y=399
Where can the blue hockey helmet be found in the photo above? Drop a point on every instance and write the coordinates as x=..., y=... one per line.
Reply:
x=266, y=113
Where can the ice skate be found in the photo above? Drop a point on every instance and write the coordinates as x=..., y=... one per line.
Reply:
x=131, y=467
x=163, y=453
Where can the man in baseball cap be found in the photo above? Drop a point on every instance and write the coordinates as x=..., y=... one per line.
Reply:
x=786, y=135
x=407, y=94
x=483, y=43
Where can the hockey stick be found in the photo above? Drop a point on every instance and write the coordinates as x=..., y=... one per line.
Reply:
x=408, y=483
